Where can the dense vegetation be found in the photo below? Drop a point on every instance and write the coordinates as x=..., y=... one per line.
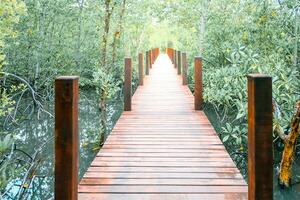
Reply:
x=42, y=39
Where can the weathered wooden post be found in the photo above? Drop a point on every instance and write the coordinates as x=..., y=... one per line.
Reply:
x=170, y=53
x=66, y=138
x=157, y=52
x=150, y=59
x=198, y=90
x=260, y=141
x=141, y=69
x=147, y=62
x=127, y=84
x=184, y=69
x=179, y=64
x=175, y=58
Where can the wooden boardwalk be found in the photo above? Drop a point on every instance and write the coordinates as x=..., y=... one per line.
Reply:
x=163, y=149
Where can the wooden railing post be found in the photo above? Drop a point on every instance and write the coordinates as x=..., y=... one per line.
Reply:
x=198, y=90
x=157, y=53
x=141, y=69
x=147, y=62
x=66, y=138
x=170, y=53
x=127, y=84
x=184, y=69
x=260, y=140
x=152, y=57
x=175, y=58
x=179, y=64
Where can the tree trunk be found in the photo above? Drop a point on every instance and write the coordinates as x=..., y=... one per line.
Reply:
x=118, y=33
x=108, y=12
x=289, y=150
x=103, y=118
x=202, y=32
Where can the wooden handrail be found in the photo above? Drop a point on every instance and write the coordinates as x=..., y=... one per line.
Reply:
x=66, y=138
x=260, y=139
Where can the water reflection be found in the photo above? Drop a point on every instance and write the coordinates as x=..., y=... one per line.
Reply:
x=36, y=135
x=292, y=193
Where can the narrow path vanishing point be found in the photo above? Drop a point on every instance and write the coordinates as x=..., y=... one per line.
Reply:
x=163, y=149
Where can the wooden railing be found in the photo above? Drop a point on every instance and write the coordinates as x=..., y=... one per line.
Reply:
x=260, y=159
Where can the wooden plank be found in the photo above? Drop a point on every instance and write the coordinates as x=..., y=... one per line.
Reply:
x=164, y=164
x=166, y=169
x=163, y=148
x=157, y=175
x=159, y=159
x=174, y=196
x=167, y=181
x=162, y=189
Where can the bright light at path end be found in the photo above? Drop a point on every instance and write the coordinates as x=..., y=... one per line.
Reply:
x=163, y=60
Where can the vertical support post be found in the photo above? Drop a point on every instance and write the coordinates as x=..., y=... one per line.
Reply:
x=179, y=64
x=170, y=53
x=141, y=69
x=66, y=138
x=127, y=84
x=260, y=141
x=198, y=91
x=157, y=52
x=150, y=59
x=175, y=58
x=184, y=69
x=172, y=56
x=147, y=62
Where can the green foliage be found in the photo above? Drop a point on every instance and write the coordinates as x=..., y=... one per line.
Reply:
x=107, y=86
x=253, y=44
x=10, y=11
x=45, y=39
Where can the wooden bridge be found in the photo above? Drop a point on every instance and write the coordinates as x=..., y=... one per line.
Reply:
x=163, y=146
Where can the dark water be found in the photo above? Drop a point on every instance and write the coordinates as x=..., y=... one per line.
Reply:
x=292, y=193
x=37, y=135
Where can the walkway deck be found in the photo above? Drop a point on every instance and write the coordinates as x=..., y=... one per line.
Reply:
x=163, y=149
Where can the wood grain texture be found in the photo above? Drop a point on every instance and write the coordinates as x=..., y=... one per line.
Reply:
x=179, y=64
x=147, y=63
x=260, y=137
x=66, y=138
x=127, y=84
x=170, y=53
x=141, y=69
x=198, y=84
x=184, y=69
x=163, y=149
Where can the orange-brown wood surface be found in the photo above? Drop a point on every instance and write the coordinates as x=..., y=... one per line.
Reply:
x=163, y=149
